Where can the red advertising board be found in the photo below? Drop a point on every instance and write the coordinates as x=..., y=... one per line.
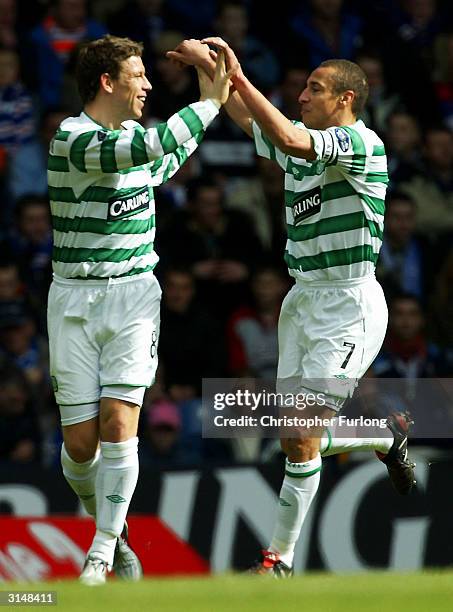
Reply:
x=48, y=548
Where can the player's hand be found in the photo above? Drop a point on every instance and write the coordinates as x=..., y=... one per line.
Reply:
x=218, y=89
x=191, y=52
x=232, y=62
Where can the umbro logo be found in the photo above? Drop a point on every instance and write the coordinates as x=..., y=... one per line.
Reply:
x=116, y=499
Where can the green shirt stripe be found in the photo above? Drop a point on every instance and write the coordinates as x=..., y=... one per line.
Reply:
x=339, y=223
x=329, y=259
x=138, y=149
x=107, y=157
x=333, y=191
x=377, y=205
x=358, y=146
x=62, y=194
x=79, y=255
x=378, y=150
x=101, y=226
x=132, y=272
x=78, y=148
x=192, y=120
x=57, y=163
x=377, y=177
x=166, y=137
x=62, y=135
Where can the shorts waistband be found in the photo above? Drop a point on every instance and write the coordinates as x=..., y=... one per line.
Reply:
x=331, y=284
x=100, y=282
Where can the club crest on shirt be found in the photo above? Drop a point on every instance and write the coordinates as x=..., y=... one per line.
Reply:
x=129, y=205
x=307, y=204
x=343, y=139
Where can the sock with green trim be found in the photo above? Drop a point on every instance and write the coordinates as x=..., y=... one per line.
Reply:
x=115, y=485
x=298, y=490
x=81, y=477
x=333, y=446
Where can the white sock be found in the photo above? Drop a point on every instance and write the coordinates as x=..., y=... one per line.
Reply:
x=332, y=446
x=81, y=478
x=298, y=490
x=115, y=484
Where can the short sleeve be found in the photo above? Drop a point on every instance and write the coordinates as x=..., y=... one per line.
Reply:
x=340, y=146
x=265, y=148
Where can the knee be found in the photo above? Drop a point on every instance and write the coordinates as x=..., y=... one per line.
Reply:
x=80, y=450
x=115, y=429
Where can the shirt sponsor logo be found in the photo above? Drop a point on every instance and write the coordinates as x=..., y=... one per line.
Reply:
x=307, y=205
x=129, y=205
x=343, y=139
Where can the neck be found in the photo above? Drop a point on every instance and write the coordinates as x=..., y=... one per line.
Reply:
x=103, y=115
x=343, y=118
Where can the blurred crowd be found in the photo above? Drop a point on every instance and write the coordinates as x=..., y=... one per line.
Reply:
x=221, y=231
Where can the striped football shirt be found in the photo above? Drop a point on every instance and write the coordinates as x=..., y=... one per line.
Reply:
x=334, y=204
x=101, y=189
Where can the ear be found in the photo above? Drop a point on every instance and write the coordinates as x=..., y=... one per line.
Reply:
x=106, y=83
x=347, y=98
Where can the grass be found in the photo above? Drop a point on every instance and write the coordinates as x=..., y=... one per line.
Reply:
x=369, y=592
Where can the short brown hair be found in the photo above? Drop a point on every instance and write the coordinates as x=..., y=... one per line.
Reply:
x=100, y=56
x=348, y=75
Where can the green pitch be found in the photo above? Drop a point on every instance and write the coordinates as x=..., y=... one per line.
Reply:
x=375, y=592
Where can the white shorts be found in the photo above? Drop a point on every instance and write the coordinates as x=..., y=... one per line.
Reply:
x=329, y=334
x=103, y=337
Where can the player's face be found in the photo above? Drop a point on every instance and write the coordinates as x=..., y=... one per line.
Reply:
x=131, y=88
x=318, y=104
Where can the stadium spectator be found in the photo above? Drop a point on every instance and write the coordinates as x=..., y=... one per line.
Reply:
x=20, y=344
x=30, y=240
x=403, y=138
x=174, y=87
x=161, y=446
x=441, y=306
x=381, y=101
x=64, y=27
x=220, y=246
x=28, y=167
x=406, y=30
x=408, y=355
x=285, y=95
x=225, y=151
x=232, y=24
x=17, y=124
x=20, y=436
x=323, y=29
x=432, y=187
x=8, y=24
x=144, y=20
x=403, y=260
x=11, y=287
x=261, y=198
x=252, y=330
x=185, y=324
x=407, y=352
x=444, y=76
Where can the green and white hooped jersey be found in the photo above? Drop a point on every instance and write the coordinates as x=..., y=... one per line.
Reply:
x=101, y=189
x=335, y=204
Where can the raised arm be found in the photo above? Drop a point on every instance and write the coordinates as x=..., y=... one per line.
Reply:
x=284, y=135
x=193, y=53
x=105, y=151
